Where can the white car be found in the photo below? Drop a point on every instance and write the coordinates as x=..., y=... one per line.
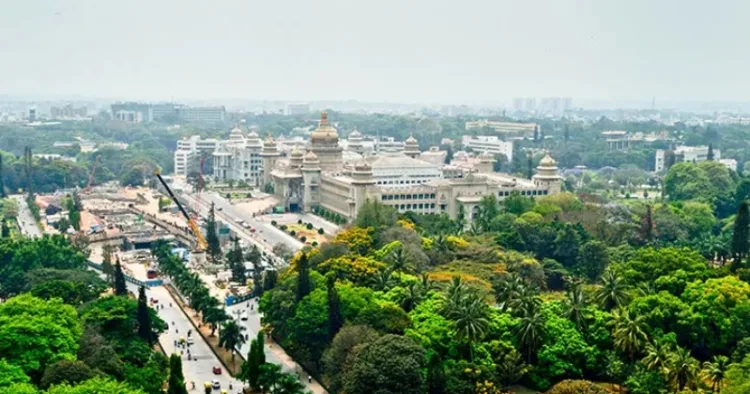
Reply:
x=215, y=384
x=238, y=220
x=245, y=225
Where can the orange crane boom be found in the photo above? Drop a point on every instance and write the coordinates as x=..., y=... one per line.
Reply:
x=201, y=245
x=93, y=171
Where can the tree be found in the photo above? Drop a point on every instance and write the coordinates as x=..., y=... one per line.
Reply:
x=576, y=387
x=256, y=357
x=107, y=267
x=335, y=319
x=212, y=238
x=176, y=380
x=304, y=285
x=120, y=288
x=646, y=231
x=214, y=316
x=567, y=243
x=235, y=259
x=470, y=317
x=576, y=306
x=683, y=369
x=144, y=318
x=529, y=166
x=37, y=333
x=96, y=385
x=11, y=374
x=629, y=333
x=391, y=364
x=344, y=347
x=657, y=355
x=2, y=179
x=710, y=154
x=613, y=291
x=593, y=259
x=741, y=235
x=376, y=215
x=530, y=331
x=517, y=204
x=231, y=337
x=65, y=371
x=715, y=371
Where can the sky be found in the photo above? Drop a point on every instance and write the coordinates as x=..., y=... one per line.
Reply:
x=426, y=51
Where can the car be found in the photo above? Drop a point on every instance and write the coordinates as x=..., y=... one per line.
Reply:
x=243, y=317
x=245, y=225
x=216, y=384
x=219, y=209
x=252, y=230
x=217, y=371
x=154, y=301
x=238, y=220
x=190, y=341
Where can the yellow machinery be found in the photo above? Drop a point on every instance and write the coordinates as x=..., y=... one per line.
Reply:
x=201, y=245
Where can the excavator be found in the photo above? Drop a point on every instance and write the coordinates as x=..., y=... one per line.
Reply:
x=198, y=254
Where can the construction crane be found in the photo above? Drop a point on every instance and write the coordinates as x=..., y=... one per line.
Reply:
x=200, y=183
x=93, y=171
x=201, y=245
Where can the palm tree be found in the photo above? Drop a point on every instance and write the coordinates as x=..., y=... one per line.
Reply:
x=715, y=371
x=630, y=334
x=214, y=316
x=470, y=319
x=507, y=290
x=613, y=292
x=527, y=298
x=683, y=369
x=384, y=280
x=455, y=292
x=413, y=297
x=399, y=261
x=231, y=336
x=530, y=331
x=657, y=356
x=576, y=305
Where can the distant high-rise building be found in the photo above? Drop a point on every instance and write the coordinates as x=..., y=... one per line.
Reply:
x=297, y=109
x=567, y=103
x=142, y=112
x=530, y=104
x=518, y=104
x=68, y=111
x=32, y=114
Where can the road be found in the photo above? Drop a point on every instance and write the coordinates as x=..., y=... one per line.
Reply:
x=198, y=370
x=269, y=233
x=26, y=221
x=274, y=354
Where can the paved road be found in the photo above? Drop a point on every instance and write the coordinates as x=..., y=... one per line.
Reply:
x=200, y=370
x=26, y=221
x=274, y=355
x=270, y=234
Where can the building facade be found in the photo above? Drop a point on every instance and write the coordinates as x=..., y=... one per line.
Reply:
x=693, y=154
x=190, y=151
x=489, y=144
x=239, y=158
x=509, y=129
x=304, y=181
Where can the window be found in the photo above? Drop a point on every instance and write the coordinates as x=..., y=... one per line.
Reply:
x=432, y=206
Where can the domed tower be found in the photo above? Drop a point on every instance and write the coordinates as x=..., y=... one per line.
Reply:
x=236, y=136
x=355, y=142
x=296, y=158
x=324, y=142
x=411, y=147
x=486, y=163
x=547, y=176
x=361, y=179
x=311, y=179
x=269, y=154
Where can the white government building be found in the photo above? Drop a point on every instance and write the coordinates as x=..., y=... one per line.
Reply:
x=324, y=175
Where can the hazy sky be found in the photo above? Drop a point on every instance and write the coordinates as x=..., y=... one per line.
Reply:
x=395, y=50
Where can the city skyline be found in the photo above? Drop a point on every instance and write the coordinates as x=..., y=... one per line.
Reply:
x=427, y=52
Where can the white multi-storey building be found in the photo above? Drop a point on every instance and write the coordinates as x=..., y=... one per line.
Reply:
x=239, y=158
x=694, y=154
x=489, y=144
x=189, y=152
x=509, y=129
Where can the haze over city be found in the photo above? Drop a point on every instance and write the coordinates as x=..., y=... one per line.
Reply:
x=417, y=51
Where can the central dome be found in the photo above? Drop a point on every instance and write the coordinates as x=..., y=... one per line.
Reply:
x=325, y=132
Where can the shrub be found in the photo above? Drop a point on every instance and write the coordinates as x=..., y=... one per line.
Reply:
x=321, y=231
x=283, y=227
x=299, y=221
x=303, y=239
x=273, y=223
x=309, y=226
x=314, y=243
x=292, y=233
